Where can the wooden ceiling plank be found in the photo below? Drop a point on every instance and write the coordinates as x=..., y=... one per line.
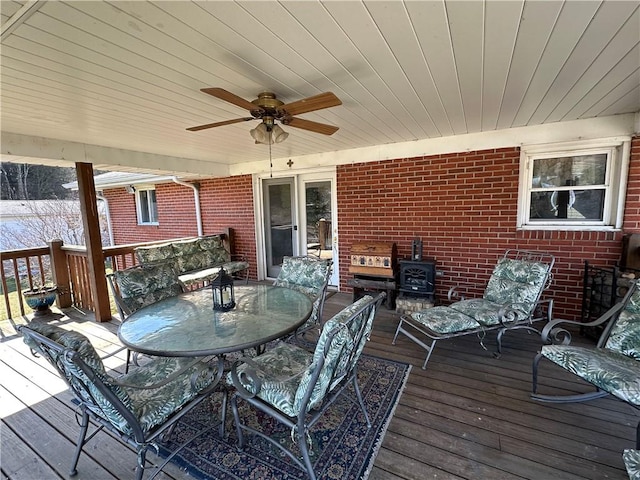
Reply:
x=536, y=25
x=598, y=34
x=431, y=24
x=574, y=18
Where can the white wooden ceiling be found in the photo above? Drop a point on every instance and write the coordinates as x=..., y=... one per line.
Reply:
x=127, y=75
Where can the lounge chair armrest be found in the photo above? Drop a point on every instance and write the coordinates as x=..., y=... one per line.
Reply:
x=555, y=333
x=458, y=292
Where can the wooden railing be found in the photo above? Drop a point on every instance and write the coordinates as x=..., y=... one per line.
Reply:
x=22, y=270
x=67, y=267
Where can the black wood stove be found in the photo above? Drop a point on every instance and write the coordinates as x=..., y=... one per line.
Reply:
x=417, y=278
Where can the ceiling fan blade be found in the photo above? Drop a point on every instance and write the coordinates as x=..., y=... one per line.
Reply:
x=312, y=126
x=310, y=104
x=219, y=124
x=223, y=94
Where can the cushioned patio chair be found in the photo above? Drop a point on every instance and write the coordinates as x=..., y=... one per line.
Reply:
x=137, y=287
x=309, y=275
x=511, y=300
x=295, y=386
x=612, y=365
x=631, y=458
x=139, y=407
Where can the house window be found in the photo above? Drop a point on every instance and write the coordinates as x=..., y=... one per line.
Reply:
x=146, y=206
x=577, y=186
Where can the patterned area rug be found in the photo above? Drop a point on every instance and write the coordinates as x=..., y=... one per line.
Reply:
x=343, y=447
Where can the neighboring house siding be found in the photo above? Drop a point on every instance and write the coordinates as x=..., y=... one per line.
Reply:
x=464, y=208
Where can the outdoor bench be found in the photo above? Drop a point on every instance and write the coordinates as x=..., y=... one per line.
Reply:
x=196, y=260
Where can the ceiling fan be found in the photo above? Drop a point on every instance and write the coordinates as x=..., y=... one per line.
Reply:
x=269, y=109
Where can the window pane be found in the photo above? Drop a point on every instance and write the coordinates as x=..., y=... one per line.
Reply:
x=563, y=171
x=568, y=205
x=153, y=206
x=144, y=207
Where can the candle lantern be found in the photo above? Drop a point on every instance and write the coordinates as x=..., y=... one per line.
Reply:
x=222, y=289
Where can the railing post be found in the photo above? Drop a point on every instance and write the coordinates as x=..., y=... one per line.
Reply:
x=60, y=271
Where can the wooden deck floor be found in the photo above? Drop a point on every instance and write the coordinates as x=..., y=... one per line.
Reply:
x=467, y=416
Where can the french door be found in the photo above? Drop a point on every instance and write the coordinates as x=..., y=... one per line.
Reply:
x=299, y=219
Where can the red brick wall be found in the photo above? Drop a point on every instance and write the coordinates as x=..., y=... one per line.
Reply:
x=224, y=202
x=464, y=207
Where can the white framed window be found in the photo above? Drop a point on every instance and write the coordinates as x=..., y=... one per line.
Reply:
x=573, y=186
x=146, y=205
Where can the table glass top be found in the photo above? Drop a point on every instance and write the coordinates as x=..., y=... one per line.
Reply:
x=187, y=325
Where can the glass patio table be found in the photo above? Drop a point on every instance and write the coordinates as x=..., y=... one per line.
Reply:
x=187, y=325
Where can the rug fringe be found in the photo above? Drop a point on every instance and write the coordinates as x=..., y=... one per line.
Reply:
x=383, y=430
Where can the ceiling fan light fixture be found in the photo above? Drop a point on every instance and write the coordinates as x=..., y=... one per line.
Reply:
x=260, y=134
x=278, y=135
x=268, y=134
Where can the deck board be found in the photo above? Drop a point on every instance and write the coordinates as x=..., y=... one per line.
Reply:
x=467, y=416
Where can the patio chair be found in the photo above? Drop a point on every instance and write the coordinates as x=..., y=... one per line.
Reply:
x=137, y=287
x=612, y=365
x=309, y=275
x=139, y=407
x=510, y=301
x=295, y=386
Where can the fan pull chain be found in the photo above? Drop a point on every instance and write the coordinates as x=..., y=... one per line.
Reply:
x=270, y=160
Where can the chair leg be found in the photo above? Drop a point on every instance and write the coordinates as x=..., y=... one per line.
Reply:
x=236, y=418
x=638, y=437
x=84, y=426
x=304, y=448
x=126, y=366
x=142, y=457
x=223, y=414
x=534, y=380
x=356, y=387
x=428, y=348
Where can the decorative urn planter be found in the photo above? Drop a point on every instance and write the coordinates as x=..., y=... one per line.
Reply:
x=40, y=299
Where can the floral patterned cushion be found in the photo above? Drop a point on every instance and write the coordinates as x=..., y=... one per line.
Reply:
x=334, y=367
x=307, y=275
x=154, y=254
x=625, y=334
x=286, y=369
x=517, y=282
x=214, y=250
x=152, y=406
x=444, y=320
x=484, y=311
x=142, y=286
x=94, y=399
x=609, y=370
x=195, y=260
x=631, y=460
x=279, y=369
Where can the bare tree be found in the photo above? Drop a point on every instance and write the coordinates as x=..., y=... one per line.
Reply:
x=48, y=220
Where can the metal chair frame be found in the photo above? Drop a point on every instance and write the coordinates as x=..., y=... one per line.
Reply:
x=305, y=420
x=88, y=406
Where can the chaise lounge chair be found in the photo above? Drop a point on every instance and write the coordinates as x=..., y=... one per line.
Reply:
x=510, y=301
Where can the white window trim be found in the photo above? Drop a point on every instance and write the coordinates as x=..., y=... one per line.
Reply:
x=145, y=188
x=616, y=182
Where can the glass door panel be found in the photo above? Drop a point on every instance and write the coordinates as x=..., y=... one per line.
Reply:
x=317, y=219
x=279, y=227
